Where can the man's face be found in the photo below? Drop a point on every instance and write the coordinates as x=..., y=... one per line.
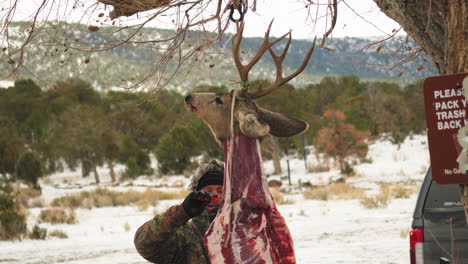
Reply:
x=214, y=190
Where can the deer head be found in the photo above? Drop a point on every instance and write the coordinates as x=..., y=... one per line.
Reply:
x=249, y=119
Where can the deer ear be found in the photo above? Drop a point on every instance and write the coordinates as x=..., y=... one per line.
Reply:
x=282, y=125
x=252, y=126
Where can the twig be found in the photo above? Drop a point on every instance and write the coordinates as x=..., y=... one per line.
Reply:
x=380, y=41
x=334, y=14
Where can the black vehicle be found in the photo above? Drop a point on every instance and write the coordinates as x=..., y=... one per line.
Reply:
x=439, y=230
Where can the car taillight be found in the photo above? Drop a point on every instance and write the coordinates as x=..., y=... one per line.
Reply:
x=416, y=246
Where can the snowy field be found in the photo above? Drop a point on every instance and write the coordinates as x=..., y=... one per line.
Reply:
x=333, y=231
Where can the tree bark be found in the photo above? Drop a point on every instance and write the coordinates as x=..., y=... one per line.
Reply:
x=111, y=171
x=440, y=27
x=275, y=154
x=96, y=175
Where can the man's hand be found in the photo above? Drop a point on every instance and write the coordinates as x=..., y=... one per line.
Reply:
x=195, y=202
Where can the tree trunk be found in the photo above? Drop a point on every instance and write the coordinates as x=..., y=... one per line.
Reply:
x=275, y=154
x=96, y=175
x=111, y=171
x=440, y=27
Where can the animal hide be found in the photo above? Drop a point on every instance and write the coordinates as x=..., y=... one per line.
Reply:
x=248, y=228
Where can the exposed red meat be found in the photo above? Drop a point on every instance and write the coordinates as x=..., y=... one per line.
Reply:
x=248, y=228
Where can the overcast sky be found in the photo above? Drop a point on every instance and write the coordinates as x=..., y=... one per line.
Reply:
x=289, y=14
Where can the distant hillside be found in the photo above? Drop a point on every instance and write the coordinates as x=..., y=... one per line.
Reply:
x=58, y=52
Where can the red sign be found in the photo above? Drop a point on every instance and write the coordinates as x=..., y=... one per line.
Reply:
x=447, y=127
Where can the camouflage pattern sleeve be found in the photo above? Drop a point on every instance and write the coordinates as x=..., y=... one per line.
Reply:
x=166, y=238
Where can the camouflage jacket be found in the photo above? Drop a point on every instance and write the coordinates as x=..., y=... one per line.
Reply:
x=170, y=238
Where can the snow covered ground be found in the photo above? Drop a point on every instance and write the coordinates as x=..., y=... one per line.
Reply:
x=333, y=231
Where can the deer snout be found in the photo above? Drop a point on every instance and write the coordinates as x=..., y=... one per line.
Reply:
x=188, y=98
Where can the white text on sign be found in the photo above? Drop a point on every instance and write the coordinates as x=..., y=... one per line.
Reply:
x=447, y=93
x=450, y=114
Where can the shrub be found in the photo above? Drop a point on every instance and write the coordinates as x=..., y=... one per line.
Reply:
x=29, y=169
x=38, y=233
x=340, y=140
x=57, y=216
x=136, y=160
x=12, y=223
x=58, y=234
x=348, y=169
x=6, y=202
x=175, y=149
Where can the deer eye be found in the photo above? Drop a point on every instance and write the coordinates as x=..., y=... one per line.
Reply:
x=218, y=100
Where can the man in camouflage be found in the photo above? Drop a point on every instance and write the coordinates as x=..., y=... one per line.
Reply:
x=176, y=236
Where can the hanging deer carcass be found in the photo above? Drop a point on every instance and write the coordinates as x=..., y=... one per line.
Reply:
x=248, y=227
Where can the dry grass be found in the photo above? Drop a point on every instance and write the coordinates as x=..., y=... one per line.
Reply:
x=404, y=233
x=386, y=194
x=127, y=227
x=57, y=216
x=320, y=193
x=58, y=234
x=279, y=197
x=379, y=200
x=402, y=192
x=338, y=191
x=142, y=205
x=25, y=196
x=317, y=168
x=343, y=191
x=107, y=198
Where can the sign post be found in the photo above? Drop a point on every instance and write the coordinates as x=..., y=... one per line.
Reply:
x=446, y=114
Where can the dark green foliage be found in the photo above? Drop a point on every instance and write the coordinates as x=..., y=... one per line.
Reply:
x=38, y=233
x=135, y=159
x=29, y=169
x=175, y=149
x=6, y=202
x=413, y=94
x=348, y=170
x=204, y=141
x=10, y=149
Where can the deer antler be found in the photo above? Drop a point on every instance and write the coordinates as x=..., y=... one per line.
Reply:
x=236, y=41
x=266, y=45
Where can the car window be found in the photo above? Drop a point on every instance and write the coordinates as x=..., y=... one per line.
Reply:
x=443, y=196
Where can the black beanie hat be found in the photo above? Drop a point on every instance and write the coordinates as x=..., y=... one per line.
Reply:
x=210, y=178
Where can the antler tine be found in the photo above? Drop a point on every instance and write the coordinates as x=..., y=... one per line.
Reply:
x=236, y=41
x=279, y=69
x=266, y=44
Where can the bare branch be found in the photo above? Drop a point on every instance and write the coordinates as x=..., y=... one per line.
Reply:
x=334, y=11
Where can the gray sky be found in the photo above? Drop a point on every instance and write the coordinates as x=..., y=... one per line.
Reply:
x=289, y=14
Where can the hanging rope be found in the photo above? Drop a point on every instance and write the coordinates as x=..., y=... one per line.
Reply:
x=241, y=9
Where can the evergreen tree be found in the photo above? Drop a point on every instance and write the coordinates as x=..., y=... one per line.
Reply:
x=175, y=150
x=29, y=169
